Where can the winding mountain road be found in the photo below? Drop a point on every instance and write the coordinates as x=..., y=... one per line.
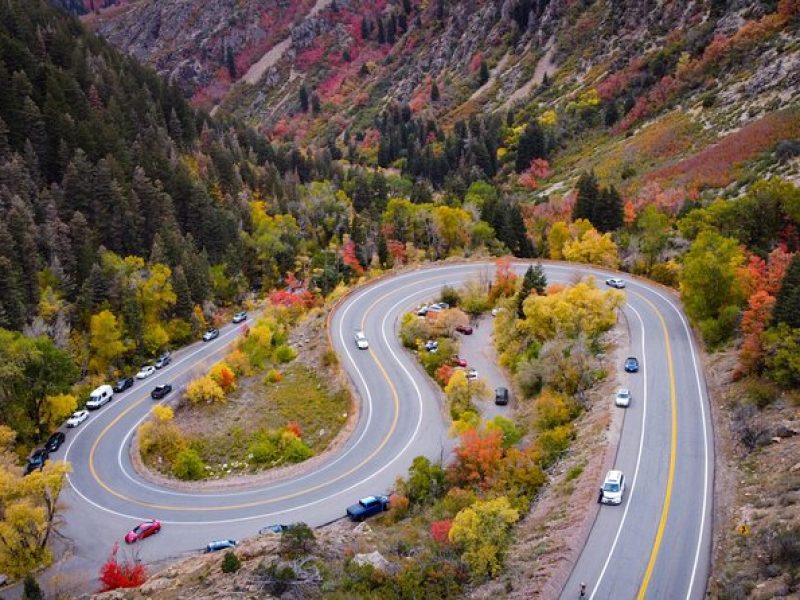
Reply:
x=656, y=544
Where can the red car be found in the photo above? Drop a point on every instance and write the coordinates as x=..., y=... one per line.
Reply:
x=465, y=329
x=458, y=361
x=143, y=530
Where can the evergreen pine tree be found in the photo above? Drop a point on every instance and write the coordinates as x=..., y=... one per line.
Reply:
x=532, y=144
x=5, y=149
x=587, y=198
x=303, y=95
x=522, y=245
x=381, y=32
x=534, y=279
x=230, y=63
x=12, y=308
x=183, y=303
x=31, y=589
x=434, y=91
x=787, y=302
x=483, y=74
x=407, y=6
x=611, y=211
x=611, y=115
x=364, y=28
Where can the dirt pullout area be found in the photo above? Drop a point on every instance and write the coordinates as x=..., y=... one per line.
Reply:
x=757, y=486
x=247, y=410
x=550, y=538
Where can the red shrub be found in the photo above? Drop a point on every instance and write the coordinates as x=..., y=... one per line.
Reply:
x=115, y=575
x=440, y=531
x=294, y=428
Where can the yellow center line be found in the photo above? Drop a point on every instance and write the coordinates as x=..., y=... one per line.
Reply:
x=672, y=452
x=383, y=443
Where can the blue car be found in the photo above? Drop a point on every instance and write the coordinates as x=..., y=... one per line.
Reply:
x=221, y=545
x=366, y=507
x=631, y=365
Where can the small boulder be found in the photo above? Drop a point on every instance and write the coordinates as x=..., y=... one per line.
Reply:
x=375, y=559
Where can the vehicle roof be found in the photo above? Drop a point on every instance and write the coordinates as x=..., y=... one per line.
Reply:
x=368, y=499
x=613, y=475
x=623, y=391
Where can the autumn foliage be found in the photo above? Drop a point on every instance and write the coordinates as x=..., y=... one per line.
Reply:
x=115, y=574
x=440, y=530
x=478, y=458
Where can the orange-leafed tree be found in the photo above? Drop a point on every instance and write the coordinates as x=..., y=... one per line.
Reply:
x=505, y=280
x=440, y=531
x=478, y=458
x=115, y=574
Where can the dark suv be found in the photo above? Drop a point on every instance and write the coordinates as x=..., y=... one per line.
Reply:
x=36, y=461
x=501, y=396
x=123, y=384
x=54, y=441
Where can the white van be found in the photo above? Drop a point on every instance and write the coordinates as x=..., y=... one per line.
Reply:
x=99, y=397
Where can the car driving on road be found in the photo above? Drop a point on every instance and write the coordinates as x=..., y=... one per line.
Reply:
x=220, y=545
x=632, y=364
x=142, y=531
x=100, y=396
x=145, y=372
x=77, y=418
x=613, y=488
x=366, y=507
x=240, y=317
x=163, y=360
x=615, y=282
x=361, y=340
x=160, y=391
x=464, y=329
x=123, y=384
x=501, y=396
x=472, y=375
x=457, y=361
x=623, y=397
x=211, y=333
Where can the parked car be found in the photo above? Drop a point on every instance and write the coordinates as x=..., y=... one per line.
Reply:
x=438, y=306
x=501, y=396
x=100, y=396
x=77, y=418
x=613, y=488
x=145, y=372
x=276, y=528
x=631, y=364
x=497, y=311
x=123, y=384
x=211, y=333
x=163, y=360
x=239, y=317
x=54, y=442
x=221, y=545
x=432, y=346
x=142, y=531
x=623, y=397
x=472, y=374
x=361, y=340
x=160, y=391
x=465, y=329
x=616, y=283
x=422, y=310
x=366, y=507
x=458, y=361
x=36, y=461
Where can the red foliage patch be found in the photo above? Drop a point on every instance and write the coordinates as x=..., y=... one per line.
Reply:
x=115, y=574
x=440, y=531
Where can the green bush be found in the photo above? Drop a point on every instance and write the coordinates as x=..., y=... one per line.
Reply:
x=297, y=541
x=231, y=562
x=553, y=443
x=263, y=452
x=31, y=589
x=295, y=450
x=284, y=354
x=188, y=465
x=450, y=295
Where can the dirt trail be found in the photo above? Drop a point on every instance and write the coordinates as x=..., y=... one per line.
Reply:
x=545, y=66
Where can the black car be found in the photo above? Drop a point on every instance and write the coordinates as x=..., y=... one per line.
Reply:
x=501, y=396
x=163, y=360
x=123, y=384
x=160, y=391
x=36, y=461
x=631, y=365
x=54, y=441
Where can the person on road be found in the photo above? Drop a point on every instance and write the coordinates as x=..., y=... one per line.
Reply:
x=583, y=591
x=600, y=496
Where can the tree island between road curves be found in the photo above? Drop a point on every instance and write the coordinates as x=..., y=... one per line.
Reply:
x=244, y=415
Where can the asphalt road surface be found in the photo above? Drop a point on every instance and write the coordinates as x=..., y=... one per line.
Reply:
x=657, y=543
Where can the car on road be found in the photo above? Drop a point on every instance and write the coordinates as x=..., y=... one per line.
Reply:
x=220, y=545
x=36, y=460
x=497, y=311
x=632, y=364
x=276, y=528
x=240, y=317
x=163, y=360
x=145, y=372
x=464, y=329
x=77, y=418
x=613, y=488
x=615, y=282
x=361, y=340
x=367, y=507
x=457, y=361
x=472, y=375
x=160, y=391
x=54, y=442
x=211, y=333
x=123, y=384
x=100, y=396
x=432, y=346
x=143, y=530
x=623, y=397
x=501, y=396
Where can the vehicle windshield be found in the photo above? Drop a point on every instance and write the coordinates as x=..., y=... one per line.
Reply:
x=611, y=486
